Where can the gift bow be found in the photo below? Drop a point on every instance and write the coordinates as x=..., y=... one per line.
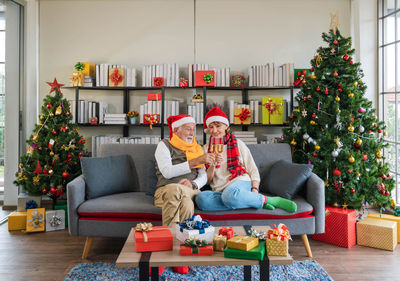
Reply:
x=208, y=78
x=36, y=220
x=194, y=243
x=280, y=233
x=55, y=221
x=77, y=78
x=243, y=115
x=144, y=227
x=397, y=213
x=272, y=106
x=220, y=237
x=195, y=222
x=31, y=204
x=225, y=229
x=152, y=119
x=116, y=77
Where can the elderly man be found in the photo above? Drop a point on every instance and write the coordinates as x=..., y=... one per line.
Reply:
x=180, y=170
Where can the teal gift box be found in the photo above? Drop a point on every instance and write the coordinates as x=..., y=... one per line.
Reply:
x=257, y=253
x=62, y=206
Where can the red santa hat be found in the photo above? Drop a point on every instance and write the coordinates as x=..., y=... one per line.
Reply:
x=176, y=121
x=215, y=115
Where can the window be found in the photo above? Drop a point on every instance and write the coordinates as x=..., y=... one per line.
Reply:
x=389, y=82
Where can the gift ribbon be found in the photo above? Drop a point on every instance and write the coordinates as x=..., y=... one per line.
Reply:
x=225, y=230
x=31, y=204
x=243, y=115
x=36, y=220
x=152, y=119
x=245, y=239
x=280, y=233
x=195, y=222
x=272, y=107
x=77, y=79
x=116, y=77
x=208, y=78
x=144, y=227
x=194, y=243
x=55, y=221
x=301, y=79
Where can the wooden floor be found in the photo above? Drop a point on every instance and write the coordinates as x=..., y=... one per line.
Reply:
x=50, y=256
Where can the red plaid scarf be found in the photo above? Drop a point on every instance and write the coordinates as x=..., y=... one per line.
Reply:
x=232, y=155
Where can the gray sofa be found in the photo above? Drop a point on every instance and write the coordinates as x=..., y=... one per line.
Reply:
x=114, y=215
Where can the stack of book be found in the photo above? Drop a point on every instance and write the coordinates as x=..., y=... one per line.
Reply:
x=112, y=118
x=248, y=137
x=169, y=71
x=89, y=81
x=271, y=75
x=196, y=110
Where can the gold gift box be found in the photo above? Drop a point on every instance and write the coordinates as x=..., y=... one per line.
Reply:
x=381, y=234
x=35, y=220
x=219, y=243
x=275, y=114
x=116, y=71
x=244, y=243
x=277, y=247
x=89, y=70
x=237, y=120
x=17, y=221
x=388, y=218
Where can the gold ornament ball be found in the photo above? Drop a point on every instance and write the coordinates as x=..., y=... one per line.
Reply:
x=314, y=77
x=338, y=110
x=51, y=153
x=359, y=141
x=51, y=114
x=351, y=159
x=337, y=99
x=317, y=147
x=40, y=124
x=375, y=117
x=355, y=83
x=312, y=122
x=298, y=110
x=378, y=155
x=41, y=117
x=326, y=183
x=351, y=43
x=350, y=128
x=293, y=142
x=51, y=172
x=385, y=134
x=351, y=95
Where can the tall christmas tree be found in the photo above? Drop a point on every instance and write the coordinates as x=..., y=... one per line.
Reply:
x=335, y=128
x=54, y=149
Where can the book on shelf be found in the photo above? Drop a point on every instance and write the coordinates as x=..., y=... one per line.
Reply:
x=271, y=75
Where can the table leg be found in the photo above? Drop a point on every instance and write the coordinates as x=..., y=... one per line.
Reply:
x=247, y=272
x=264, y=269
x=154, y=274
x=144, y=266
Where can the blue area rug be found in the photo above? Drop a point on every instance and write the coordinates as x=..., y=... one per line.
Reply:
x=299, y=270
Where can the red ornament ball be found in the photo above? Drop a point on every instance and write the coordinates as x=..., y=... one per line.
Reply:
x=379, y=131
x=340, y=90
x=52, y=190
x=346, y=57
x=337, y=173
x=387, y=193
x=314, y=154
x=54, y=132
x=318, y=89
x=65, y=175
x=335, y=74
x=291, y=116
x=304, y=72
x=44, y=191
x=326, y=91
x=311, y=69
x=352, y=190
x=351, y=62
x=375, y=125
x=314, y=115
x=369, y=131
x=364, y=157
x=383, y=176
x=304, y=99
x=49, y=105
x=335, y=42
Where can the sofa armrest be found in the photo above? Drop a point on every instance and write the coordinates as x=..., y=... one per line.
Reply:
x=316, y=197
x=75, y=197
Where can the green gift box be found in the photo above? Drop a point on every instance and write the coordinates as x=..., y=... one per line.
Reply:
x=272, y=110
x=257, y=253
x=62, y=206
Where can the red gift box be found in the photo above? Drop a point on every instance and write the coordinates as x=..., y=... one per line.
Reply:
x=340, y=227
x=203, y=78
x=158, y=81
x=154, y=118
x=158, y=239
x=202, y=251
x=183, y=82
x=154, y=96
x=226, y=231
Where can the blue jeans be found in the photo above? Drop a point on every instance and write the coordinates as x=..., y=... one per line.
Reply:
x=237, y=195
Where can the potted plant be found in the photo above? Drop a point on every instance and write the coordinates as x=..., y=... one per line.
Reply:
x=132, y=116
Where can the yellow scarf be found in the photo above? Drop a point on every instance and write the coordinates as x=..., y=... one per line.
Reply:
x=192, y=150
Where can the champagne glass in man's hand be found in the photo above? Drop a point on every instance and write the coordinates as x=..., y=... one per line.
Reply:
x=216, y=146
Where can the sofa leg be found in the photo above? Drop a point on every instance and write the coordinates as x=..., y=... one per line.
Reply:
x=86, y=248
x=306, y=244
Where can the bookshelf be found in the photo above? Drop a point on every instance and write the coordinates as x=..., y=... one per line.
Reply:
x=245, y=91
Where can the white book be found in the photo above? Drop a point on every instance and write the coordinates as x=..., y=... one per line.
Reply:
x=231, y=110
x=271, y=74
x=97, y=75
x=252, y=111
x=114, y=115
x=222, y=77
x=86, y=112
x=144, y=76
x=254, y=76
x=227, y=77
x=177, y=107
x=146, y=108
x=158, y=111
x=101, y=74
x=149, y=107
x=134, y=84
x=250, y=74
x=256, y=112
x=115, y=122
x=161, y=74
x=157, y=70
x=190, y=75
x=262, y=70
x=141, y=113
x=202, y=113
x=177, y=75
x=93, y=146
x=90, y=110
x=128, y=77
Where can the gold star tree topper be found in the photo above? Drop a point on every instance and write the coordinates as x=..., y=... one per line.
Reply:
x=334, y=22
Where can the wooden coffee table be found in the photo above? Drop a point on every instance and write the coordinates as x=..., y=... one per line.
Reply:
x=130, y=258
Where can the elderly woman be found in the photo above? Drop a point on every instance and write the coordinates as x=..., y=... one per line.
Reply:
x=234, y=177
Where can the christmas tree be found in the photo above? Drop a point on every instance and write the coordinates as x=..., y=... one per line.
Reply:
x=54, y=149
x=335, y=128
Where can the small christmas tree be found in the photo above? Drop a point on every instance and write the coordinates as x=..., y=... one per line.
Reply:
x=336, y=129
x=54, y=149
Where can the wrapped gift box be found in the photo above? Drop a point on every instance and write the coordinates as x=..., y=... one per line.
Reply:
x=272, y=110
x=277, y=248
x=78, y=79
x=381, y=234
x=89, y=70
x=154, y=117
x=35, y=220
x=195, y=247
x=17, y=221
x=240, y=242
x=195, y=227
x=219, y=243
x=204, y=78
x=388, y=218
x=55, y=220
x=158, y=239
x=24, y=198
x=257, y=253
x=116, y=77
x=183, y=82
x=226, y=231
x=154, y=96
x=242, y=116
x=62, y=206
x=340, y=227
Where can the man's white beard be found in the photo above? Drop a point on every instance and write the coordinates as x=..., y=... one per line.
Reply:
x=189, y=139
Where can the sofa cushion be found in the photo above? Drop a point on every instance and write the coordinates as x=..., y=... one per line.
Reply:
x=107, y=175
x=285, y=179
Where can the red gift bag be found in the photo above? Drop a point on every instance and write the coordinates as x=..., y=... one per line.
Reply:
x=340, y=227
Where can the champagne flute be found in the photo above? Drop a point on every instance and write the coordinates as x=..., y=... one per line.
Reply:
x=216, y=146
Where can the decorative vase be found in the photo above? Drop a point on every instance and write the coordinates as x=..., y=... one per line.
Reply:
x=132, y=120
